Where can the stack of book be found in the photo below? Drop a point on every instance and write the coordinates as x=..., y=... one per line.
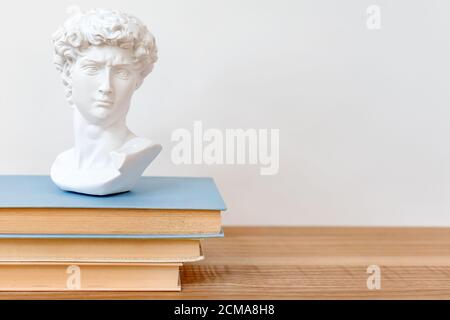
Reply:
x=53, y=240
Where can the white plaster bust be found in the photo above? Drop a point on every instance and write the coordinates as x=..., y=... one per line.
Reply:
x=103, y=56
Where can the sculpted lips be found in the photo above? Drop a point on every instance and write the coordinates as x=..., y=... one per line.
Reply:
x=103, y=102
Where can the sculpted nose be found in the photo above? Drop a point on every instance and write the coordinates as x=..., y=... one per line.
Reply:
x=105, y=86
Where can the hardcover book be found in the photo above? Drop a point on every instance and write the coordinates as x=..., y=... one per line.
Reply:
x=157, y=205
x=100, y=250
x=89, y=277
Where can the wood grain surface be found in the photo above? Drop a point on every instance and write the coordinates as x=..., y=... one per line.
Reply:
x=306, y=263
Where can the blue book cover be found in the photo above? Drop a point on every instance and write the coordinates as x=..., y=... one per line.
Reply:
x=184, y=193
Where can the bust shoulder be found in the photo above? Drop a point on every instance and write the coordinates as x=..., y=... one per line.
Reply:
x=126, y=166
x=134, y=151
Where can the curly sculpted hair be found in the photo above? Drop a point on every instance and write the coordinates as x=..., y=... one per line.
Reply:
x=101, y=27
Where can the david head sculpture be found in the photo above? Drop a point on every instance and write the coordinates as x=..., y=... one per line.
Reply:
x=103, y=57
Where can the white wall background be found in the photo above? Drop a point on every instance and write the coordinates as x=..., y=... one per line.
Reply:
x=364, y=116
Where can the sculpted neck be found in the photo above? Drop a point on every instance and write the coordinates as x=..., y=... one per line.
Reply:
x=93, y=143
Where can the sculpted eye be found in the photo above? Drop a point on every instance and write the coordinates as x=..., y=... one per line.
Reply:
x=122, y=73
x=90, y=69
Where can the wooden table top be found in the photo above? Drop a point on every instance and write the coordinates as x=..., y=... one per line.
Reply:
x=306, y=263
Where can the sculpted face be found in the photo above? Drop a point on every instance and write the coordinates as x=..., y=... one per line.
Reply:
x=104, y=79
